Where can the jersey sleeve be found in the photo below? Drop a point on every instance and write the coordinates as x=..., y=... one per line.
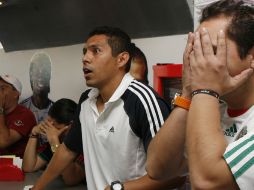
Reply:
x=152, y=124
x=22, y=122
x=73, y=139
x=239, y=156
x=147, y=111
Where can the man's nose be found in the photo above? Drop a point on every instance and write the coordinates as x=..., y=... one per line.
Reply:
x=86, y=58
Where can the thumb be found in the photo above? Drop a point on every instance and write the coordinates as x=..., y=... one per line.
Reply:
x=241, y=78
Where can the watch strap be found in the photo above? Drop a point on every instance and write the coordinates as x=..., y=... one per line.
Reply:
x=181, y=102
x=116, y=183
x=54, y=147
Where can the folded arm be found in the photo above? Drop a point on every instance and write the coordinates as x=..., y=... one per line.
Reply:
x=60, y=160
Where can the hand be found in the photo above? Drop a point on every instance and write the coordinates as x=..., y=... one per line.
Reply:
x=209, y=70
x=37, y=130
x=51, y=132
x=2, y=98
x=107, y=188
x=186, y=92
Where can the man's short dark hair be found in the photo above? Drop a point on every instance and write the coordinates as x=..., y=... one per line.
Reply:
x=119, y=41
x=241, y=27
x=63, y=111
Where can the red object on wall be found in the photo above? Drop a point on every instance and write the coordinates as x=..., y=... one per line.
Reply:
x=165, y=77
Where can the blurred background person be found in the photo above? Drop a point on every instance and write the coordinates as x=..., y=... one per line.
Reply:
x=139, y=68
x=40, y=75
x=16, y=121
x=55, y=127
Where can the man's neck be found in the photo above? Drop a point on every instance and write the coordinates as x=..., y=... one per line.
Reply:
x=107, y=90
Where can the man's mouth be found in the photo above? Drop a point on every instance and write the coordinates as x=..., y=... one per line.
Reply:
x=86, y=71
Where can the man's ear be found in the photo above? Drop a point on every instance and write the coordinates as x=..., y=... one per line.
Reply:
x=123, y=58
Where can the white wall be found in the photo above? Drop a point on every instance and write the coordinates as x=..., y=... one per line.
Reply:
x=67, y=77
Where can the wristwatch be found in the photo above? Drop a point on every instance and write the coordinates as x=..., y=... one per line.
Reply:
x=116, y=185
x=181, y=101
x=54, y=147
x=1, y=111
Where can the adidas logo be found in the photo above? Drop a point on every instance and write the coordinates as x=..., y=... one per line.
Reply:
x=231, y=131
x=112, y=130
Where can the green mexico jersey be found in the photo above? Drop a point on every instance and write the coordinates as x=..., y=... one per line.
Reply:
x=239, y=156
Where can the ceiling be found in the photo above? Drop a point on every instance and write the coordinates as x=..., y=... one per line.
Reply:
x=35, y=24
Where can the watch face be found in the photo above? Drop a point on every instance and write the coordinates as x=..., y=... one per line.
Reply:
x=117, y=186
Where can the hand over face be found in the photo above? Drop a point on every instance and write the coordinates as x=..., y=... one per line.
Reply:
x=2, y=98
x=186, y=92
x=209, y=69
x=50, y=130
x=37, y=130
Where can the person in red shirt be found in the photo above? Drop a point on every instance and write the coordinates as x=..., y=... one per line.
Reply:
x=16, y=121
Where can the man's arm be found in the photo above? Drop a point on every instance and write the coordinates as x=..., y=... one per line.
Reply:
x=74, y=173
x=166, y=150
x=31, y=161
x=7, y=136
x=205, y=140
x=206, y=146
x=146, y=183
x=60, y=160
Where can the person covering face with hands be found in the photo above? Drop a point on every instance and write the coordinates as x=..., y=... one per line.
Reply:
x=218, y=71
x=54, y=128
x=221, y=66
x=16, y=121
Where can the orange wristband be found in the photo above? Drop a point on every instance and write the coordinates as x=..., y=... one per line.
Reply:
x=181, y=102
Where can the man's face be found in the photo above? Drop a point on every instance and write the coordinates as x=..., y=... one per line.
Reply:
x=234, y=63
x=9, y=95
x=138, y=69
x=99, y=66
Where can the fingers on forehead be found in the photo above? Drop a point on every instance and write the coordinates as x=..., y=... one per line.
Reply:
x=206, y=42
x=221, y=43
x=197, y=45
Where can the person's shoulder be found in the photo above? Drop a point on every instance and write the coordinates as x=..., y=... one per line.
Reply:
x=84, y=96
x=24, y=110
x=144, y=95
x=142, y=90
x=140, y=86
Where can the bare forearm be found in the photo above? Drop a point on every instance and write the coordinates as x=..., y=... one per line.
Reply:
x=166, y=150
x=73, y=174
x=206, y=144
x=30, y=156
x=146, y=183
x=62, y=158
